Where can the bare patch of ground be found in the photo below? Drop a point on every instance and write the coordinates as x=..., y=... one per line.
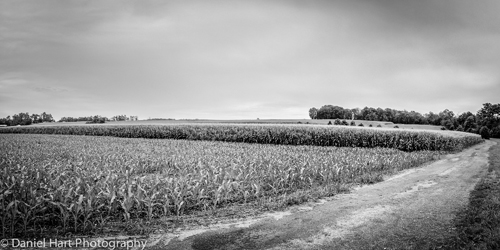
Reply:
x=412, y=210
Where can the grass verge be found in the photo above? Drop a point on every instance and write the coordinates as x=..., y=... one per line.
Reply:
x=478, y=225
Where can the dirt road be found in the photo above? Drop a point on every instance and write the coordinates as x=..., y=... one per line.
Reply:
x=412, y=210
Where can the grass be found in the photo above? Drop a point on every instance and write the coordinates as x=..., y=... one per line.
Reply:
x=478, y=225
x=418, y=126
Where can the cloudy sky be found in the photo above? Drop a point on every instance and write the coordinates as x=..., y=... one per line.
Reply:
x=246, y=59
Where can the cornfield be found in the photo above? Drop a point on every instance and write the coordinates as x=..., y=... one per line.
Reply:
x=404, y=140
x=78, y=184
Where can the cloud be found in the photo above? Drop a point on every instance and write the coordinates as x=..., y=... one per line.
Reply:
x=258, y=58
x=49, y=89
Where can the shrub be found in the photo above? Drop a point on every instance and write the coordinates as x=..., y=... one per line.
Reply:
x=344, y=122
x=370, y=125
x=337, y=122
x=443, y=128
x=396, y=126
x=484, y=132
x=361, y=125
x=353, y=123
x=460, y=128
x=329, y=122
x=495, y=132
x=379, y=126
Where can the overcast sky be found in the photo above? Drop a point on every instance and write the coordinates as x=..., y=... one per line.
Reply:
x=246, y=59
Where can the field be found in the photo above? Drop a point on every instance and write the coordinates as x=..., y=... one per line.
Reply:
x=83, y=184
x=235, y=121
x=313, y=135
x=243, y=121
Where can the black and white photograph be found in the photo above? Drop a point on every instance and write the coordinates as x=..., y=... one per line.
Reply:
x=249, y=124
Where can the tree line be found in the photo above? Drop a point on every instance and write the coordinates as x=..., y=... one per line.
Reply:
x=488, y=117
x=98, y=119
x=26, y=119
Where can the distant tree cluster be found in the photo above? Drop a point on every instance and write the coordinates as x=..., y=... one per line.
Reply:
x=26, y=119
x=124, y=118
x=99, y=119
x=488, y=117
x=373, y=114
x=82, y=119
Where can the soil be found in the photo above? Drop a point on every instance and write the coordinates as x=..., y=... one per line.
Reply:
x=412, y=210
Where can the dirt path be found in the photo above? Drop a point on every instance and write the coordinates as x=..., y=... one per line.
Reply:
x=412, y=210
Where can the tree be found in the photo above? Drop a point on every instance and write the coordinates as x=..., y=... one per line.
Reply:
x=356, y=113
x=3, y=121
x=97, y=119
x=448, y=124
x=446, y=114
x=389, y=113
x=447, y=119
x=371, y=116
x=35, y=118
x=381, y=115
x=416, y=118
x=119, y=118
x=20, y=119
x=489, y=115
x=485, y=132
x=46, y=117
x=470, y=123
x=330, y=112
x=433, y=119
x=462, y=117
x=313, y=112
x=495, y=132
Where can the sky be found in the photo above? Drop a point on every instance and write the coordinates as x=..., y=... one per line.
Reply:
x=246, y=59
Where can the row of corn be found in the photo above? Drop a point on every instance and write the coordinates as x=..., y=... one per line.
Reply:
x=405, y=140
x=79, y=184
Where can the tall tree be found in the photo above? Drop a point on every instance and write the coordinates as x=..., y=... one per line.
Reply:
x=470, y=123
x=46, y=117
x=35, y=118
x=462, y=117
x=489, y=115
x=21, y=119
x=313, y=112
